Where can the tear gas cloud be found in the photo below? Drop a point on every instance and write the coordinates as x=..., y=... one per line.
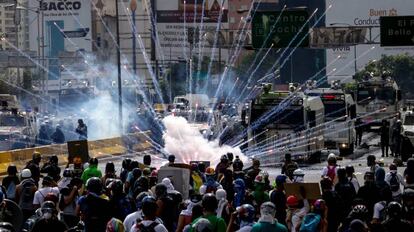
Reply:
x=99, y=112
x=187, y=143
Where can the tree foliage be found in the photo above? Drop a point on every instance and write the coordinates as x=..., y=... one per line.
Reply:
x=400, y=66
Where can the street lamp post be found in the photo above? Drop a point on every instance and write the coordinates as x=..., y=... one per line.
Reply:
x=133, y=7
x=118, y=53
x=17, y=23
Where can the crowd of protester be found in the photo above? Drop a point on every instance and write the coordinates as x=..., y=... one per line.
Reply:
x=227, y=197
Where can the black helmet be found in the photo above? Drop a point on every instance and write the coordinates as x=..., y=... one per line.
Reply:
x=341, y=173
x=349, y=169
x=209, y=202
x=116, y=186
x=68, y=172
x=394, y=209
x=326, y=183
x=171, y=158
x=136, y=173
x=126, y=163
x=224, y=158
x=238, y=164
x=94, y=185
x=93, y=161
x=12, y=169
x=147, y=160
x=48, y=206
x=360, y=212
x=230, y=156
x=110, y=167
x=54, y=159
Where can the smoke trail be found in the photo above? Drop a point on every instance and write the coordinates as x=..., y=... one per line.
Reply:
x=186, y=143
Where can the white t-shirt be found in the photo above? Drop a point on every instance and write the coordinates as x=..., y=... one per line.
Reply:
x=40, y=194
x=132, y=218
x=158, y=228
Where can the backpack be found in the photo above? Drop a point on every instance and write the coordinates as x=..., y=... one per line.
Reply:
x=150, y=228
x=310, y=223
x=394, y=183
x=27, y=195
x=331, y=172
x=11, y=190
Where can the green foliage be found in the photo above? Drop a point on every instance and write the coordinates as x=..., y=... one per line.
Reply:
x=400, y=66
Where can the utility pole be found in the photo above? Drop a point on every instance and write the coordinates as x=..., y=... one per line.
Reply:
x=133, y=7
x=17, y=23
x=118, y=54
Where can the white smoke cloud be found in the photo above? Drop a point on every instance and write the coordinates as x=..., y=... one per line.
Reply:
x=187, y=144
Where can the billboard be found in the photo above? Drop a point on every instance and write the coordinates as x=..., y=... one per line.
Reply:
x=181, y=24
x=361, y=13
x=59, y=17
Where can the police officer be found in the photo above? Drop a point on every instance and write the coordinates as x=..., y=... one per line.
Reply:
x=385, y=137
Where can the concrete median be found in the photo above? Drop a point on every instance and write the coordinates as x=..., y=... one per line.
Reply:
x=129, y=143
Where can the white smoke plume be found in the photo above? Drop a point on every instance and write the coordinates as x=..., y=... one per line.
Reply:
x=187, y=143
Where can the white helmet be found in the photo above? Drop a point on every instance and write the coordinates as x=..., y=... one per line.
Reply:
x=298, y=172
x=332, y=157
x=26, y=173
x=221, y=194
x=202, y=225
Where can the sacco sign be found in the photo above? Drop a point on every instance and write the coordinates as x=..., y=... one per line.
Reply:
x=60, y=5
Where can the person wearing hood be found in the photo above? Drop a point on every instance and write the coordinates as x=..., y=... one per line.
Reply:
x=58, y=137
x=223, y=208
x=267, y=221
x=369, y=192
x=409, y=173
x=91, y=171
x=395, y=180
x=82, y=130
x=239, y=192
x=170, y=187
